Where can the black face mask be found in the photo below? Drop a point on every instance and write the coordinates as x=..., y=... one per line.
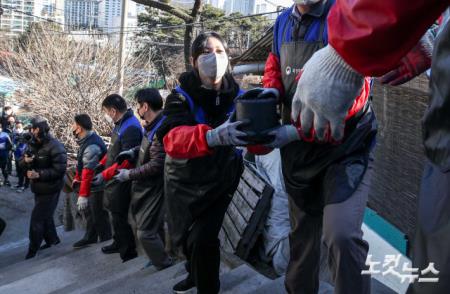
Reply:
x=140, y=115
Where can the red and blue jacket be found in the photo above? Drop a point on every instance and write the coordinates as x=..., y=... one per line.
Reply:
x=284, y=25
x=130, y=134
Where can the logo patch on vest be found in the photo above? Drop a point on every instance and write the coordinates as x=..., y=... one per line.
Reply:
x=290, y=70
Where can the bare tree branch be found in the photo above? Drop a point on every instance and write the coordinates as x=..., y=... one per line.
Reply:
x=188, y=33
x=61, y=77
x=189, y=19
x=175, y=11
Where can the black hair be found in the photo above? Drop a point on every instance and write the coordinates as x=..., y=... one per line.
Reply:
x=115, y=101
x=151, y=96
x=84, y=121
x=42, y=124
x=7, y=108
x=199, y=44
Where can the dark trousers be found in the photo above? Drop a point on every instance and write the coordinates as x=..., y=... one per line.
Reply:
x=202, y=247
x=150, y=230
x=117, y=197
x=2, y=226
x=9, y=164
x=432, y=240
x=340, y=228
x=123, y=234
x=20, y=174
x=98, y=226
x=3, y=167
x=42, y=225
x=153, y=244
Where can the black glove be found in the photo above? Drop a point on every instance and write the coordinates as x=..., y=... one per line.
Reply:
x=99, y=168
x=177, y=112
x=98, y=180
x=129, y=155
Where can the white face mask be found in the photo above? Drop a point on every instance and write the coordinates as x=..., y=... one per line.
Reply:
x=109, y=119
x=212, y=66
x=306, y=2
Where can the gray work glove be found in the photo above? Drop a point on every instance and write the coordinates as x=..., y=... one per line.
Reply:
x=283, y=135
x=325, y=92
x=82, y=203
x=227, y=134
x=98, y=180
x=123, y=175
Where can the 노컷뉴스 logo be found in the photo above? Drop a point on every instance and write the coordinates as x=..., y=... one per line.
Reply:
x=406, y=273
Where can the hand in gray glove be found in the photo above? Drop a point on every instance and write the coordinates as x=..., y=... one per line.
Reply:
x=283, y=135
x=98, y=180
x=82, y=203
x=227, y=134
x=123, y=175
x=125, y=155
x=325, y=92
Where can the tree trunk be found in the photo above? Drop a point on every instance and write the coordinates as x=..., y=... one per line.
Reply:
x=189, y=20
x=189, y=32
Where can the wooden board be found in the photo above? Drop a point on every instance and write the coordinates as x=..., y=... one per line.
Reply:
x=238, y=220
x=246, y=215
x=243, y=206
x=246, y=192
x=231, y=231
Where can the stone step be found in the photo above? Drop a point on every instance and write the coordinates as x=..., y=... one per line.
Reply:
x=15, y=252
x=160, y=282
x=277, y=286
x=274, y=287
x=62, y=269
x=44, y=256
x=242, y=279
x=74, y=271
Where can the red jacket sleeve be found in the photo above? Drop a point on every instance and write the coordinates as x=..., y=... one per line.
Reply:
x=272, y=74
x=103, y=160
x=86, y=178
x=111, y=171
x=186, y=142
x=360, y=100
x=77, y=177
x=372, y=36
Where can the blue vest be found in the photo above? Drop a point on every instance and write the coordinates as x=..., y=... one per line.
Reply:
x=4, y=144
x=153, y=131
x=198, y=112
x=284, y=26
x=131, y=121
